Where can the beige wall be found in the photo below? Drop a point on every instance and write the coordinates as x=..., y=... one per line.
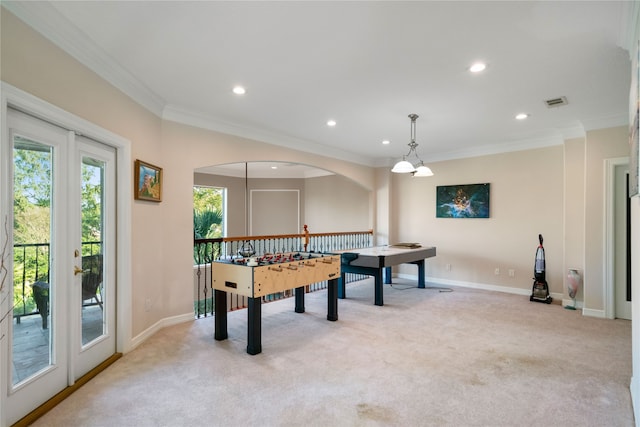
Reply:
x=36, y=66
x=236, y=199
x=327, y=204
x=600, y=145
x=382, y=207
x=534, y=191
x=276, y=206
x=526, y=200
x=162, y=234
x=334, y=203
x=574, y=189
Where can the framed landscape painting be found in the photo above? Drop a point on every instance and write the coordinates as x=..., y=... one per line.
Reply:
x=148, y=181
x=463, y=201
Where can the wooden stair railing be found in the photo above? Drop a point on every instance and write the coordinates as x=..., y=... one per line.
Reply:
x=209, y=250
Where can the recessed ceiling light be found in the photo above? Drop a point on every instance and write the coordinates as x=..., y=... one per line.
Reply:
x=239, y=90
x=522, y=116
x=386, y=142
x=477, y=67
x=274, y=167
x=331, y=123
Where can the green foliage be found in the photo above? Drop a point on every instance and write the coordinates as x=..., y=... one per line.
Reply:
x=208, y=220
x=207, y=212
x=203, y=306
x=32, y=220
x=91, y=203
x=32, y=174
x=32, y=195
x=207, y=199
x=207, y=224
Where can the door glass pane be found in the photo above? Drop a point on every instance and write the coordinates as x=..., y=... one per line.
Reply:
x=32, y=315
x=93, y=292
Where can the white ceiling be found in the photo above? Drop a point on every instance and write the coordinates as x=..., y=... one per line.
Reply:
x=367, y=65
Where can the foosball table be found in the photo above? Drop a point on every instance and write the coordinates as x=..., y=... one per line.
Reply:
x=256, y=277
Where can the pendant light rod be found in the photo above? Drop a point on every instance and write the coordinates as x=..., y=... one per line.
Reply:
x=246, y=198
x=418, y=169
x=413, y=118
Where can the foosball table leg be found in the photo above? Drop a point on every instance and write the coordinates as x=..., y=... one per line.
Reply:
x=332, y=298
x=377, y=293
x=220, y=301
x=254, y=326
x=300, y=299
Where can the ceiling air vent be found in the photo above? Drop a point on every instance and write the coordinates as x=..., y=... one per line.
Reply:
x=556, y=102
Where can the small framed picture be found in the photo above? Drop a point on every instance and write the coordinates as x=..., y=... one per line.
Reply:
x=148, y=182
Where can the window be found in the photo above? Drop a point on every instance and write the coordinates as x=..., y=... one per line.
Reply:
x=208, y=212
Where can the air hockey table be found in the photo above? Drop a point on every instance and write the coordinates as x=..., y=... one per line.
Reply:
x=377, y=262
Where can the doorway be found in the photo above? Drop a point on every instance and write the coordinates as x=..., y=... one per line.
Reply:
x=63, y=269
x=622, y=233
x=617, y=247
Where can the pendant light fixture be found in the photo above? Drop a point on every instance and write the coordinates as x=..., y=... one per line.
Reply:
x=405, y=166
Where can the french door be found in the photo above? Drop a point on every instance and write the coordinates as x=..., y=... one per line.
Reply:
x=63, y=264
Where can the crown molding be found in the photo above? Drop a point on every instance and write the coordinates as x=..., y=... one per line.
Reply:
x=46, y=20
x=190, y=118
x=555, y=137
x=490, y=149
x=607, y=122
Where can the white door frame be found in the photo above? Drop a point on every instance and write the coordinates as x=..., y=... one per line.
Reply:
x=23, y=101
x=609, y=249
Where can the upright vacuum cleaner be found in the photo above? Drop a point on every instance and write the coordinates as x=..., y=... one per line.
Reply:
x=540, y=291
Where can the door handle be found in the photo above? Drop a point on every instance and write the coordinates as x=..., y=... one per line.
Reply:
x=77, y=270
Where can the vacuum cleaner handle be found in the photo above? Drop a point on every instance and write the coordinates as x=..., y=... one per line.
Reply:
x=540, y=238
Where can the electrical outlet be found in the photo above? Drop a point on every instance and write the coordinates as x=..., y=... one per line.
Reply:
x=448, y=267
x=496, y=272
x=512, y=273
x=147, y=304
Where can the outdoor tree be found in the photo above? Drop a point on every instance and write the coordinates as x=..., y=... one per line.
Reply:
x=207, y=212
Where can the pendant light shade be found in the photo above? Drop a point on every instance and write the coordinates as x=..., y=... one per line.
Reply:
x=405, y=166
x=422, y=170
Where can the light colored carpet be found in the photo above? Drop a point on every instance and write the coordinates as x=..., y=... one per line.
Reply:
x=426, y=358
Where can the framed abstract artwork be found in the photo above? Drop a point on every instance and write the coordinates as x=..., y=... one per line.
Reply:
x=148, y=182
x=463, y=201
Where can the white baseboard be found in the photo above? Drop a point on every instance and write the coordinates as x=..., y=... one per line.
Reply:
x=473, y=285
x=506, y=289
x=162, y=323
x=593, y=313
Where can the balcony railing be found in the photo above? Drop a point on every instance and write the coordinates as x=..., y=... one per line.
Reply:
x=205, y=251
x=31, y=265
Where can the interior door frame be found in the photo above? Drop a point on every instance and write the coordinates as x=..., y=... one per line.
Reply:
x=609, y=233
x=83, y=357
x=23, y=101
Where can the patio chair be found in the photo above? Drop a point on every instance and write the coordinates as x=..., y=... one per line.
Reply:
x=92, y=278
x=41, y=297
